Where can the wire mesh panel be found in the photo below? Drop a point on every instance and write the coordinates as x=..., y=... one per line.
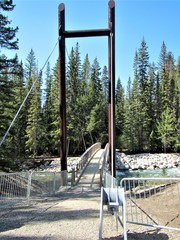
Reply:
x=47, y=183
x=13, y=185
x=153, y=201
x=23, y=185
x=109, y=180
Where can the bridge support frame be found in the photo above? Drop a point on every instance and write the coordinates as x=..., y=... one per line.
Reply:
x=63, y=34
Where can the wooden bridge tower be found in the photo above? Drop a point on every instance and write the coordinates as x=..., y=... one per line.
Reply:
x=110, y=33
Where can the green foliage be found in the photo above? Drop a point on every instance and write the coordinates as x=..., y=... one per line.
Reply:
x=166, y=129
x=52, y=116
x=9, y=72
x=176, y=105
x=33, y=116
x=128, y=126
x=74, y=89
x=7, y=33
x=147, y=123
x=119, y=109
x=147, y=115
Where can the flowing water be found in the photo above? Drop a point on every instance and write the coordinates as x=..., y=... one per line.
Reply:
x=171, y=173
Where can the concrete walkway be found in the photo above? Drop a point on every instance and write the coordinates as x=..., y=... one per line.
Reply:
x=91, y=178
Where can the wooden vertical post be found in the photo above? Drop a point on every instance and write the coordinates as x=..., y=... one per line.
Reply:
x=62, y=86
x=110, y=32
x=111, y=69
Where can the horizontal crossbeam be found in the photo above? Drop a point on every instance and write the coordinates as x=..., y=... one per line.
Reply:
x=86, y=33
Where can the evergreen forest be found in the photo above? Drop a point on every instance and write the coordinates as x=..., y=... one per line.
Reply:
x=147, y=110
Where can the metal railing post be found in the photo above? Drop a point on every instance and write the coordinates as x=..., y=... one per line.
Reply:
x=73, y=177
x=54, y=183
x=29, y=186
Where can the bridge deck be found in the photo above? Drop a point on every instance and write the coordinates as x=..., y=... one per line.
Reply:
x=91, y=178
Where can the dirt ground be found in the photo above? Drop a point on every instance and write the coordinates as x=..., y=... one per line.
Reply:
x=164, y=206
x=75, y=215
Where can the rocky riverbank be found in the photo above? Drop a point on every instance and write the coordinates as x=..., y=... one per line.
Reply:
x=55, y=165
x=144, y=161
x=147, y=161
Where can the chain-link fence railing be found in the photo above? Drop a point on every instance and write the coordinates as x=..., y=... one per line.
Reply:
x=24, y=185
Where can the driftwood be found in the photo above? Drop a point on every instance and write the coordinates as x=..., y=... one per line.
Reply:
x=36, y=162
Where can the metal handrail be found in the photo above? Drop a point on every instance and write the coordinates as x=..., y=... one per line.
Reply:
x=103, y=163
x=106, y=179
x=83, y=162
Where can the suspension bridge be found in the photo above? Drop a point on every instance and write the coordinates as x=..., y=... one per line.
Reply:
x=62, y=205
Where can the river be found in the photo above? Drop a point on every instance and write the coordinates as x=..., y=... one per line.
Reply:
x=170, y=173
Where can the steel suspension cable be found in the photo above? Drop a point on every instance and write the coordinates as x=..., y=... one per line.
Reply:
x=30, y=90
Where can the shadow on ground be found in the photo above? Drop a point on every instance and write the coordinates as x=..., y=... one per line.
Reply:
x=19, y=238
x=19, y=218
x=147, y=235
x=46, y=210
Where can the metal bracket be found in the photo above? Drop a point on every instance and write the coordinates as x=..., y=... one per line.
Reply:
x=113, y=198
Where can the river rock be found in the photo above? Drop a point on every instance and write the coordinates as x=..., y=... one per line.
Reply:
x=147, y=161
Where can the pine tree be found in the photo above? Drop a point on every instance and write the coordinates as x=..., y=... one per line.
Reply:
x=96, y=124
x=143, y=65
x=19, y=125
x=95, y=99
x=85, y=76
x=119, y=113
x=95, y=84
x=6, y=112
x=136, y=117
x=105, y=82
x=128, y=127
x=163, y=61
x=46, y=141
x=157, y=114
x=105, y=100
x=83, y=101
x=166, y=128
x=8, y=38
x=171, y=80
x=7, y=86
x=136, y=105
x=33, y=130
x=151, y=104
x=30, y=68
x=30, y=75
x=33, y=106
x=7, y=33
x=177, y=106
x=8, y=109
x=72, y=93
x=167, y=81
x=135, y=110
x=54, y=112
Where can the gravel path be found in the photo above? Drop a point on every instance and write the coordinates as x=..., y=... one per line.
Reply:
x=72, y=215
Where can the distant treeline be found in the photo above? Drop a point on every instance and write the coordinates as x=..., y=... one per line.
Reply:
x=147, y=113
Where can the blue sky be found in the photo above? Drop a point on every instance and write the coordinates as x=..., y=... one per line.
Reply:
x=155, y=20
